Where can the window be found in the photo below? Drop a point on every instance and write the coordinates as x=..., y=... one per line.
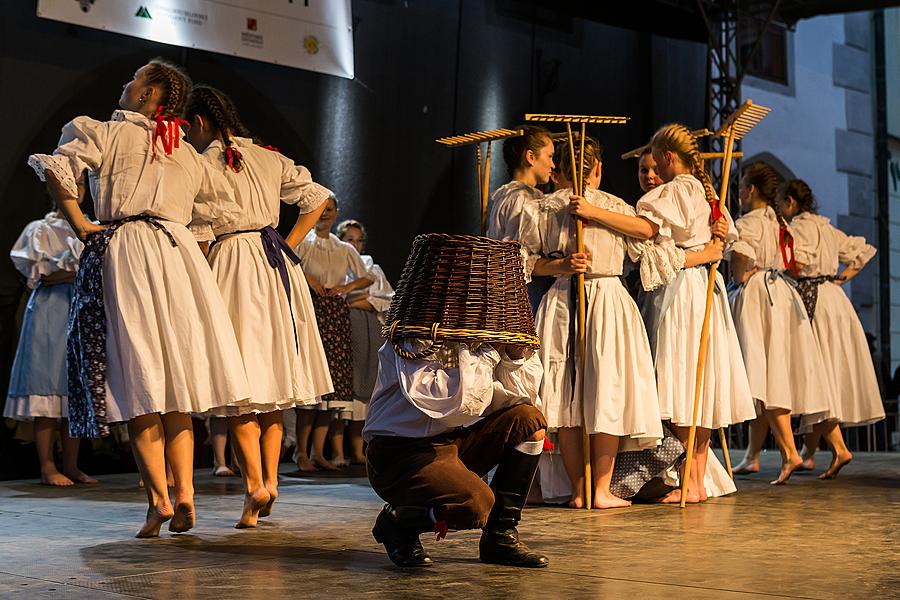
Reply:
x=770, y=61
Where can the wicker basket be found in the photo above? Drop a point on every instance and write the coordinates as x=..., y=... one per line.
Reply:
x=461, y=288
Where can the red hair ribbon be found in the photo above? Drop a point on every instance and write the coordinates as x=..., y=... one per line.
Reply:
x=168, y=130
x=786, y=242
x=548, y=445
x=232, y=156
x=715, y=212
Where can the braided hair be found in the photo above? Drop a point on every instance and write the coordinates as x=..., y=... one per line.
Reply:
x=766, y=181
x=174, y=82
x=214, y=105
x=533, y=138
x=802, y=195
x=677, y=138
x=562, y=157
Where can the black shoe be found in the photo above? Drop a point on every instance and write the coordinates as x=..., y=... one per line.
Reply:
x=398, y=528
x=500, y=543
x=504, y=548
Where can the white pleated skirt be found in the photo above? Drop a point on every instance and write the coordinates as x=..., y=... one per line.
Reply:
x=780, y=352
x=618, y=382
x=170, y=344
x=845, y=353
x=674, y=317
x=279, y=341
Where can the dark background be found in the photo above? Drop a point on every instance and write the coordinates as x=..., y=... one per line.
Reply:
x=424, y=69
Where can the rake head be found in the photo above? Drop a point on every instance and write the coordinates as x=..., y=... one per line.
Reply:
x=743, y=120
x=476, y=137
x=595, y=119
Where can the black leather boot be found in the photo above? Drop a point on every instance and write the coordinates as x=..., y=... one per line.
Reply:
x=398, y=528
x=500, y=543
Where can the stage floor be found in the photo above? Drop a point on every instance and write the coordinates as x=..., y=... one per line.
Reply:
x=809, y=539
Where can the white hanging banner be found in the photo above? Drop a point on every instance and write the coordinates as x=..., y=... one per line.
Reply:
x=316, y=35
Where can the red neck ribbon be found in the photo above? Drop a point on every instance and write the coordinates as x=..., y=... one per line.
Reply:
x=786, y=243
x=168, y=130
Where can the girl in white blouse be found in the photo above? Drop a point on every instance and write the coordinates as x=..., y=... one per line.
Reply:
x=148, y=317
x=333, y=270
x=676, y=217
x=781, y=355
x=46, y=253
x=618, y=382
x=821, y=249
x=263, y=288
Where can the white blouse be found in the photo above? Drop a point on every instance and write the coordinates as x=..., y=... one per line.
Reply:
x=45, y=247
x=758, y=239
x=821, y=247
x=422, y=398
x=266, y=178
x=516, y=215
x=126, y=178
x=680, y=210
x=380, y=293
x=330, y=260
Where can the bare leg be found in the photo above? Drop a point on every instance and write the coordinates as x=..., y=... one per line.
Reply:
x=780, y=422
x=570, y=447
x=759, y=427
x=305, y=420
x=70, y=456
x=604, y=448
x=699, y=474
x=44, y=438
x=245, y=432
x=149, y=447
x=271, y=427
x=179, y=431
x=358, y=455
x=319, y=434
x=336, y=437
x=810, y=445
x=674, y=497
x=840, y=454
x=218, y=434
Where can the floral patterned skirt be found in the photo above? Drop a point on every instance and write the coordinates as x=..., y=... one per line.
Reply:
x=333, y=318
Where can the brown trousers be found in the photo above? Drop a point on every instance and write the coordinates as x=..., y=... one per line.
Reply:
x=445, y=472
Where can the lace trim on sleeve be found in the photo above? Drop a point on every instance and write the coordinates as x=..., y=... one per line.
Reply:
x=59, y=166
x=660, y=262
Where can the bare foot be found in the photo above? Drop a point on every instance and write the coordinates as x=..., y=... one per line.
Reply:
x=222, y=471
x=266, y=510
x=305, y=465
x=253, y=503
x=358, y=460
x=747, y=467
x=184, y=517
x=608, y=500
x=809, y=460
x=55, y=478
x=703, y=495
x=319, y=462
x=838, y=462
x=674, y=497
x=577, y=501
x=155, y=519
x=787, y=469
x=79, y=476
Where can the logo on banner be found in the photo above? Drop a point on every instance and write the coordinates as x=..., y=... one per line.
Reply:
x=143, y=13
x=311, y=43
x=251, y=24
x=85, y=5
x=250, y=37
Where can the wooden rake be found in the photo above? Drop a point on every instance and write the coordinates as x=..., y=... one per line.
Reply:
x=734, y=128
x=578, y=189
x=483, y=168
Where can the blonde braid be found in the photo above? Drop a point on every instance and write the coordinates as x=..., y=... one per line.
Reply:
x=677, y=138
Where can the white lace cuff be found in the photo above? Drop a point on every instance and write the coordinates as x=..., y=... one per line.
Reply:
x=60, y=168
x=314, y=198
x=660, y=264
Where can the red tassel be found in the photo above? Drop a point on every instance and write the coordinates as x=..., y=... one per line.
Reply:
x=715, y=212
x=233, y=156
x=548, y=445
x=440, y=528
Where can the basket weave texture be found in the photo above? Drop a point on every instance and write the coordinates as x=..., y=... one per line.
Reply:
x=461, y=288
